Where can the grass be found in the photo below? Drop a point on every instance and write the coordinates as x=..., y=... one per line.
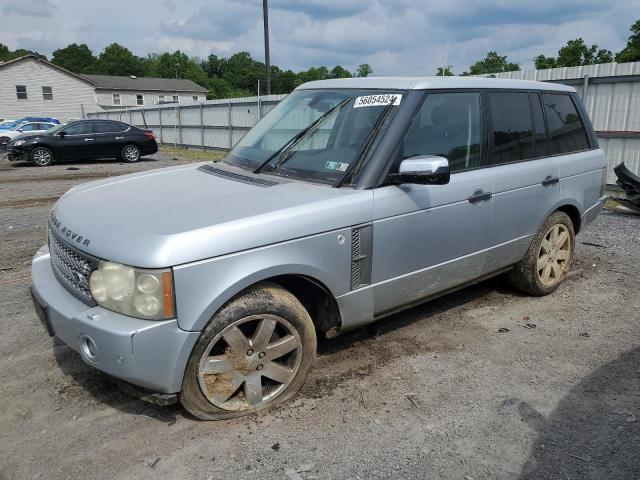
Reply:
x=192, y=154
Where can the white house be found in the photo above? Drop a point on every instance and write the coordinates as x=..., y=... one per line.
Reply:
x=30, y=86
x=114, y=92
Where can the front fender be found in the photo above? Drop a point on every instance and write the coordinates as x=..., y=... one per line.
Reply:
x=203, y=287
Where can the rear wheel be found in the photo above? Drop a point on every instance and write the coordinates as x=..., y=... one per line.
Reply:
x=41, y=156
x=255, y=352
x=131, y=153
x=548, y=259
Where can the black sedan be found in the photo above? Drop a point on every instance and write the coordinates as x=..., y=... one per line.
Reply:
x=84, y=140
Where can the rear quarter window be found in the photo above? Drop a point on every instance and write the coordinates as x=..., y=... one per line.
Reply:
x=566, y=129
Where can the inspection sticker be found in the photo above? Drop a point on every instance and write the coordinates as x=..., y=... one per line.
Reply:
x=341, y=167
x=377, y=100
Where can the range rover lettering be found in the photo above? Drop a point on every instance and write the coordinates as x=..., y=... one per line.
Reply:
x=351, y=200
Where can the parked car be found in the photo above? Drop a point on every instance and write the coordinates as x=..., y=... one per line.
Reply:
x=85, y=140
x=351, y=200
x=29, y=128
x=16, y=123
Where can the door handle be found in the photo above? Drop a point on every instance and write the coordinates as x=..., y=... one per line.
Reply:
x=549, y=180
x=479, y=196
x=88, y=139
x=119, y=138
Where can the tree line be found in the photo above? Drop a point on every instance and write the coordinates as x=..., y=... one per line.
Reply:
x=234, y=76
x=238, y=75
x=574, y=54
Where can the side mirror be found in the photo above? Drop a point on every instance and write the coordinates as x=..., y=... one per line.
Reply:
x=423, y=170
x=62, y=134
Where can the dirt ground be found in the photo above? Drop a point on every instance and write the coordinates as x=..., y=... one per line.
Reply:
x=434, y=392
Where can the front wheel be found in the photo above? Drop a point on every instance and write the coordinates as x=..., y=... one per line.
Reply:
x=255, y=352
x=131, y=153
x=548, y=259
x=41, y=156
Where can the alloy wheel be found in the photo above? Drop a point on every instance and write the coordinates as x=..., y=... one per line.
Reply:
x=131, y=153
x=554, y=255
x=41, y=157
x=250, y=362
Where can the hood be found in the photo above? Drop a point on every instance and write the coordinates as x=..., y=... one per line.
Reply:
x=177, y=215
x=13, y=135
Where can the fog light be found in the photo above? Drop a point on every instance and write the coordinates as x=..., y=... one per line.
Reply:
x=88, y=347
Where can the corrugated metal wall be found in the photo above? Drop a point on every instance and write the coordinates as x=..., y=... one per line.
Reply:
x=217, y=124
x=612, y=98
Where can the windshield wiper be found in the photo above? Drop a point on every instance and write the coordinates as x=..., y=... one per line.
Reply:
x=280, y=153
x=367, y=144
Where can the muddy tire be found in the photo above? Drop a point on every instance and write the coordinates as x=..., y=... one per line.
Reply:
x=254, y=353
x=548, y=259
x=41, y=157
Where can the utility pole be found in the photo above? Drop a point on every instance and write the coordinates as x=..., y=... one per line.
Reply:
x=265, y=14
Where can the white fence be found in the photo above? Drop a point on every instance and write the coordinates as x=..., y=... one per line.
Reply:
x=215, y=124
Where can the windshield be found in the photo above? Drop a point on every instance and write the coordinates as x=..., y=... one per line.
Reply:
x=314, y=134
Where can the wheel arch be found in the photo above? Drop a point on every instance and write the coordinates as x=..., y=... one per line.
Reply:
x=571, y=208
x=303, y=281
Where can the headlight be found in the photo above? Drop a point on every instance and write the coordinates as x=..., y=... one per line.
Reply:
x=132, y=291
x=17, y=143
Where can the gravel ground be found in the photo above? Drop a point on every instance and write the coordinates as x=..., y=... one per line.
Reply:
x=434, y=392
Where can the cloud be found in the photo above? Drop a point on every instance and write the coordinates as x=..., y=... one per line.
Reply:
x=30, y=8
x=395, y=37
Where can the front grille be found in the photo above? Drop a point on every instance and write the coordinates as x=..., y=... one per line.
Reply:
x=72, y=267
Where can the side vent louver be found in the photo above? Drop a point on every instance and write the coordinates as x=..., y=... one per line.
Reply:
x=361, y=249
x=238, y=177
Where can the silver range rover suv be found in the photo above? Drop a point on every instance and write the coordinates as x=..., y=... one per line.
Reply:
x=351, y=200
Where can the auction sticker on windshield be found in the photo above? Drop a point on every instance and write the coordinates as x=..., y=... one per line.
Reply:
x=377, y=100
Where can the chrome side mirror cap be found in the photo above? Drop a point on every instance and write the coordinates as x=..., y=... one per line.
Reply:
x=423, y=170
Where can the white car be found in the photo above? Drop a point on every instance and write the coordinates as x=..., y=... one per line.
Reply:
x=7, y=136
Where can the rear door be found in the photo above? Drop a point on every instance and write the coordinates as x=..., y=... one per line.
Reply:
x=110, y=137
x=430, y=238
x=525, y=174
x=77, y=142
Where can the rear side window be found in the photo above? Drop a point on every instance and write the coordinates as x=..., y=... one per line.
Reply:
x=541, y=141
x=565, y=127
x=81, y=128
x=512, y=127
x=109, y=127
x=447, y=125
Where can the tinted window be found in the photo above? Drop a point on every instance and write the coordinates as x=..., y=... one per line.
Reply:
x=109, y=127
x=80, y=128
x=447, y=125
x=565, y=127
x=539, y=130
x=512, y=127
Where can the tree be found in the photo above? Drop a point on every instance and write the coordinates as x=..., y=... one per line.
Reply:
x=75, y=58
x=631, y=53
x=176, y=65
x=118, y=60
x=364, y=70
x=574, y=54
x=6, y=54
x=492, y=63
x=339, y=72
x=445, y=72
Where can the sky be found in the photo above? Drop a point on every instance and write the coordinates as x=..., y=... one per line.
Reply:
x=401, y=37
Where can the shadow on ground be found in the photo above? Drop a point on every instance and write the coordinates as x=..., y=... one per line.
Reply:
x=104, y=389
x=595, y=431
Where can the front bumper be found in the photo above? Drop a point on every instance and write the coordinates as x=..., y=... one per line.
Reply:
x=17, y=153
x=150, y=354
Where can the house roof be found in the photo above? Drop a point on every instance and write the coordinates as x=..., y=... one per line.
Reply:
x=48, y=63
x=111, y=82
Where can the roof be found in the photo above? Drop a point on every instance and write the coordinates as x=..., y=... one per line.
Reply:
x=426, y=83
x=48, y=63
x=112, y=82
